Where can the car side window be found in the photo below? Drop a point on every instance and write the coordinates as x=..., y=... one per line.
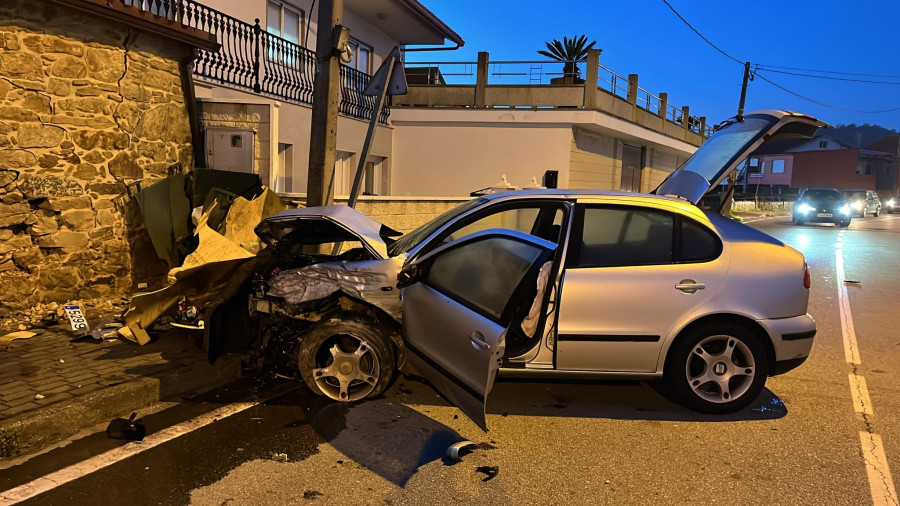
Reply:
x=483, y=274
x=698, y=243
x=620, y=236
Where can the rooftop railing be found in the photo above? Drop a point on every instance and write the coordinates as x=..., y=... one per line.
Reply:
x=544, y=72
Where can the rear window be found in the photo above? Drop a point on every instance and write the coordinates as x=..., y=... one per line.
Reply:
x=823, y=194
x=855, y=195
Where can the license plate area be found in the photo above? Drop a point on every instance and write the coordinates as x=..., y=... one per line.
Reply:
x=76, y=318
x=824, y=215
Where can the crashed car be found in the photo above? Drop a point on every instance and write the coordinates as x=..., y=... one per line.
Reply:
x=545, y=284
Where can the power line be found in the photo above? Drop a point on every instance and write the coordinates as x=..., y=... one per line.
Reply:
x=764, y=69
x=826, y=71
x=822, y=103
x=717, y=48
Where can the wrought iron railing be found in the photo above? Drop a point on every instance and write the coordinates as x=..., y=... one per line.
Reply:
x=253, y=59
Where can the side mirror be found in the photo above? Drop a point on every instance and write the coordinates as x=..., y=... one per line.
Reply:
x=408, y=275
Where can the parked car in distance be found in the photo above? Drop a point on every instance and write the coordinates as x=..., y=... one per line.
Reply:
x=821, y=205
x=863, y=202
x=546, y=284
x=892, y=204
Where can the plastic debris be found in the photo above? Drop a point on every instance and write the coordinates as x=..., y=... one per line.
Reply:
x=279, y=457
x=489, y=471
x=17, y=335
x=129, y=429
x=38, y=397
x=457, y=450
x=61, y=361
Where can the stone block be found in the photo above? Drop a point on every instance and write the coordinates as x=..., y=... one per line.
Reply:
x=58, y=45
x=65, y=239
x=78, y=219
x=59, y=276
x=17, y=114
x=166, y=122
x=124, y=166
x=85, y=172
x=90, y=139
x=16, y=242
x=58, y=87
x=104, y=64
x=107, y=217
x=94, y=157
x=89, y=91
x=9, y=41
x=69, y=67
x=36, y=102
x=28, y=259
x=40, y=136
x=14, y=214
x=49, y=186
x=127, y=115
x=45, y=223
x=92, y=105
x=7, y=264
x=107, y=188
x=12, y=198
x=20, y=64
x=48, y=160
x=102, y=234
x=66, y=203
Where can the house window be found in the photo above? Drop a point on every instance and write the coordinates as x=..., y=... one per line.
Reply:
x=362, y=56
x=755, y=167
x=284, y=21
x=777, y=166
x=823, y=144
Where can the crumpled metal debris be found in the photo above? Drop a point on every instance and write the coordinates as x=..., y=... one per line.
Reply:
x=128, y=429
x=371, y=280
x=211, y=274
x=457, y=450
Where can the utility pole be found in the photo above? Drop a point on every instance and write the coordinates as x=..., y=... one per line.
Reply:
x=326, y=97
x=740, y=113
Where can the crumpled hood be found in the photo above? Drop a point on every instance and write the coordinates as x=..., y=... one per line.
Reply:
x=326, y=224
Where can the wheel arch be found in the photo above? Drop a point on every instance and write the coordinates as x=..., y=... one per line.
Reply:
x=741, y=320
x=394, y=328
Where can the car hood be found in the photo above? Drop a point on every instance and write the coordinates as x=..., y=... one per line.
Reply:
x=326, y=224
x=733, y=141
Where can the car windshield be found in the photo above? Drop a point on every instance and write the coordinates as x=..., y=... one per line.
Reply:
x=720, y=151
x=855, y=195
x=823, y=194
x=408, y=241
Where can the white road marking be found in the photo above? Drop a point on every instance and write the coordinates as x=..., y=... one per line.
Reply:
x=881, y=484
x=880, y=481
x=75, y=471
x=859, y=392
x=851, y=349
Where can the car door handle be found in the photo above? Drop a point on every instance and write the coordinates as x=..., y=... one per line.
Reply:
x=478, y=342
x=690, y=286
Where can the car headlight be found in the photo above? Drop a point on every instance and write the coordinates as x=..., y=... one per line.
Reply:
x=856, y=205
x=890, y=203
x=805, y=208
x=845, y=209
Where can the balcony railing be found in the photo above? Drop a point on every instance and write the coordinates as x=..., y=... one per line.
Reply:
x=252, y=59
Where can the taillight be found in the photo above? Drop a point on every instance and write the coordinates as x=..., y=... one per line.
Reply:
x=805, y=276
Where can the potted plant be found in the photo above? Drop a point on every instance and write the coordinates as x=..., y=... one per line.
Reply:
x=569, y=51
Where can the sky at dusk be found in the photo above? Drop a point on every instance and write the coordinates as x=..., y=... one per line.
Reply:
x=645, y=37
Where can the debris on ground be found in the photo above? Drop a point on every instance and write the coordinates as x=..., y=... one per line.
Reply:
x=489, y=471
x=457, y=450
x=278, y=457
x=22, y=334
x=852, y=282
x=38, y=397
x=128, y=429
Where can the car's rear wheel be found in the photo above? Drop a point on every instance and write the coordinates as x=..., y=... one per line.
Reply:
x=717, y=368
x=877, y=212
x=346, y=357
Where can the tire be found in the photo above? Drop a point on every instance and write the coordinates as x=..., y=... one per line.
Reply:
x=843, y=224
x=877, y=211
x=347, y=357
x=702, y=354
x=796, y=220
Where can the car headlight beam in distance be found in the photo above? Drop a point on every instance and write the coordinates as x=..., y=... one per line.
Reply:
x=856, y=205
x=845, y=209
x=805, y=208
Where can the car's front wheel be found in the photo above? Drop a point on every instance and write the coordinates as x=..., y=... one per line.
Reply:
x=843, y=223
x=346, y=357
x=717, y=368
x=796, y=220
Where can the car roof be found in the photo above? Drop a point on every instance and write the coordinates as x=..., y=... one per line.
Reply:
x=575, y=193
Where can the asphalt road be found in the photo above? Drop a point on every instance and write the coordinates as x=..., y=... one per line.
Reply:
x=805, y=441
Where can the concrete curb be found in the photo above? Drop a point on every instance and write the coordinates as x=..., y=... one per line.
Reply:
x=36, y=429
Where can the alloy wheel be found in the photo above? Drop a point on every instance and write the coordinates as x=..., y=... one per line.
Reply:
x=347, y=368
x=720, y=368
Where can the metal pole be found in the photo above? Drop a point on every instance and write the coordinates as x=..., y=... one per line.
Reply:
x=740, y=113
x=357, y=179
x=326, y=97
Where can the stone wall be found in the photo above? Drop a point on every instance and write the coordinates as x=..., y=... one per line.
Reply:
x=87, y=106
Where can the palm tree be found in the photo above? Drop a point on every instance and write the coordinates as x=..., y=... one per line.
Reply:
x=569, y=51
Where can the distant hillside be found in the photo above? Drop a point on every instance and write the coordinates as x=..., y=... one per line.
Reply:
x=856, y=136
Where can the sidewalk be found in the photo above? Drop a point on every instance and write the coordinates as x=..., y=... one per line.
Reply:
x=52, y=387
